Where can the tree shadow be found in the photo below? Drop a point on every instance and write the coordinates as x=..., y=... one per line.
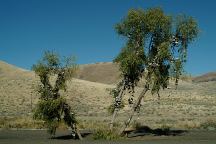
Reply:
x=145, y=130
x=70, y=136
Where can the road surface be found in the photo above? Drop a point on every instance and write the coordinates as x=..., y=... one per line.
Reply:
x=41, y=137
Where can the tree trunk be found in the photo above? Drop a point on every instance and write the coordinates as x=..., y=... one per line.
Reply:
x=76, y=131
x=78, y=134
x=135, y=106
x=113, y=118
x=120, y=95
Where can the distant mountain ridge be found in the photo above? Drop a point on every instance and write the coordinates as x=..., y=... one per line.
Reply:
x=211, y=76
x=109, y=73
x=103, y=72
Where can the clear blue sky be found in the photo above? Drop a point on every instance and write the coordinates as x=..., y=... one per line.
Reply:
x=85, y=28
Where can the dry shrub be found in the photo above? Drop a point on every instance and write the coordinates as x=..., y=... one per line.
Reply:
x=20, y=122
x=187, y=124
x=209, y=124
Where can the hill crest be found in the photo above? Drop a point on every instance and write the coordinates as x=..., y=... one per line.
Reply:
x=211, y=76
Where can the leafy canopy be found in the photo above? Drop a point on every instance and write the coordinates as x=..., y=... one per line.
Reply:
x=156, y=46
x=52, y=107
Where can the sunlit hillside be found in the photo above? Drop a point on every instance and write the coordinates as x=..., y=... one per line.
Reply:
x=188, y=106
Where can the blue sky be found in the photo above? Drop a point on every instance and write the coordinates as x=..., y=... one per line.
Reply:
x=85, y=28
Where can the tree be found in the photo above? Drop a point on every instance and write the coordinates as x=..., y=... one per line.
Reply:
x=156, y=49
x=52, y=106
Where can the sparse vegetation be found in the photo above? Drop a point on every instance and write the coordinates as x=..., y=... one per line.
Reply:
x=20, y=122
x=210, y=124
x=105, y=134
x=185, y=108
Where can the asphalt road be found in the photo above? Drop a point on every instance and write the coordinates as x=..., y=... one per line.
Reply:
x=41, y=137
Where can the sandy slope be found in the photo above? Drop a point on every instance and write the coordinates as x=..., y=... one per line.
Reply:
x=107, y=73
x=211, y=76
x=18, y=96
x=190, y=105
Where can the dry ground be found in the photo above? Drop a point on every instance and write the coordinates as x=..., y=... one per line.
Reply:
x=188, y=107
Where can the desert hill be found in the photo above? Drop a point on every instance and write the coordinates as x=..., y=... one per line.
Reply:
x=206, y=77
x=107, y=73
x=18, y=95
x=12, y=72
x=190, y=104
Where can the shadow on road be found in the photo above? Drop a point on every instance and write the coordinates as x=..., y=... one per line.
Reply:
x=145, y=130
x=68, y=137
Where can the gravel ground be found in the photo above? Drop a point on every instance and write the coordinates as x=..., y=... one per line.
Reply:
x=41, y=137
